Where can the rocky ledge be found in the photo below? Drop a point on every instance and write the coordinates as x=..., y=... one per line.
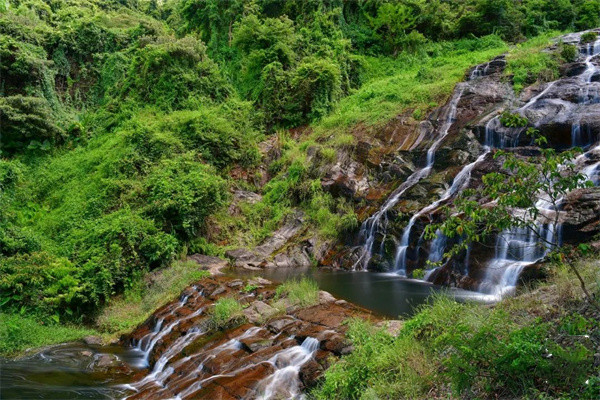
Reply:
x=272, y=348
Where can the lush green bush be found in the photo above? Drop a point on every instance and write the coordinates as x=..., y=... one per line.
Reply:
x=589, y=37
x=40, y=281
x=27, y=121
x=569, y=52
x=181, y=193
x=173, y=74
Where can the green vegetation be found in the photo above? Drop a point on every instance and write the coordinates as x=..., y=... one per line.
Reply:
x=126, y=124
x=589, y=37
x=19, y=333
x=513, y=120
x=303, y=292
x=524, y=347
x=569, y=52
x=226, y=313
x=528, y=64
x=127, y=311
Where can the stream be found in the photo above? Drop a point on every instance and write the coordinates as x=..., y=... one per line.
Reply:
x=79, y=371
x=65, y=371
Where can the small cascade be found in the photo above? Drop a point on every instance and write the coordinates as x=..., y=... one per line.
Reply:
x=147, y=343
x=159, y=373
x=479, y=71
x=460, y=182
x=378, y=222
x=593, y=173
x=501, y=137
x=581, y=136
x=284, y=382
x=231, y=345
x=515, y=249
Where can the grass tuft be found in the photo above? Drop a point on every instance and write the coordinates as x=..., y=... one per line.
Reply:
x=227, y=312
x=303, y=292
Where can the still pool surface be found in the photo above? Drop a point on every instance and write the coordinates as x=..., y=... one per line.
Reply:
x=64, y=371
x=385, y=294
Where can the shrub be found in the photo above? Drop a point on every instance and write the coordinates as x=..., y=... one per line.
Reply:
x=170, y=73
x=40, y=281
x=569, y=52
x=303, y=292
x=513, y=120
x=316, y=85
x=221, y=139
x=181, y=193
x=26, y=120
x=589, y=37
x=380, y=366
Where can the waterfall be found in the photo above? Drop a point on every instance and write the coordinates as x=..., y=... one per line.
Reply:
x=284, y=382
x=460, y=182
x=378, y=221
x=582, y=136
x=515, y=249
x=147, y=343
x=593, y=173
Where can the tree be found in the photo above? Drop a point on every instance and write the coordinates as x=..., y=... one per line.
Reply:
x=396, y=22
x=528, y=191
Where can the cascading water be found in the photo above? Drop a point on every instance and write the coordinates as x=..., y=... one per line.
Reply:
x=519, y=247
x=459, y=183
x=284, y=383
x=581, y=136
x=378, y=222
x=148, y=342
x=461, y=180
x=515, y=248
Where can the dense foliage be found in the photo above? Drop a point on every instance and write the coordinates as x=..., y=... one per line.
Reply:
x=125, y=124
x=524, y=347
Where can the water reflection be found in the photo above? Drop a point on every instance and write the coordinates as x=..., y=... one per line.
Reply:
x=385, y=294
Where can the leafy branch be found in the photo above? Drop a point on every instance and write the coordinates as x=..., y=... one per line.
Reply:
x=525, y=193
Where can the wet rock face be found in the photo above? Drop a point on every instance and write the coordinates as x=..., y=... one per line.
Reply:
x=581, y=217
x=285, y=248
x=566, y=111
x=275, y=356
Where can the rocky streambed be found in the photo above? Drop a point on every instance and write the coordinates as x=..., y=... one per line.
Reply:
x=274, y=348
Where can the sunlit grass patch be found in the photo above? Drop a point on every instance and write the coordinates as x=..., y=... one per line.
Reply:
x=132, y=308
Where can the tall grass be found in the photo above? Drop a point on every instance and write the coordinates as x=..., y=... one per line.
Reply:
x=19, y=332
x=136, y=304
x=227, y=311
x=303, y=292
